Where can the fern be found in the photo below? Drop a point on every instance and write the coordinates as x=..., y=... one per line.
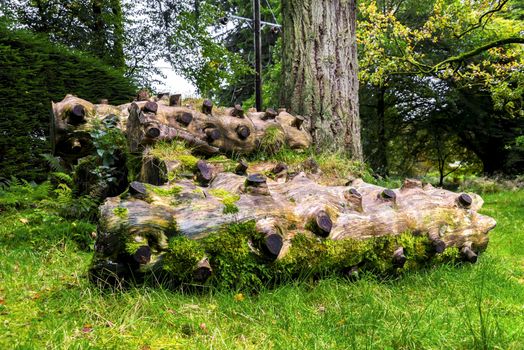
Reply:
x=4, y=183
x=54, y=163
x=62, y=178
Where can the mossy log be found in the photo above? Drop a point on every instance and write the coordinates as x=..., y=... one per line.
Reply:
x=149, y=120
x=72, y=121
x=231, y=132
x=271, y=230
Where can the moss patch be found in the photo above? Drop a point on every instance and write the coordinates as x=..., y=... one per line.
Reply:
x=165, y=192
x=121, y=212
x=228, y=199
x=182, y=257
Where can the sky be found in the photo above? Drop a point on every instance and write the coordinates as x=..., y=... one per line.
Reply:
x=173, y=82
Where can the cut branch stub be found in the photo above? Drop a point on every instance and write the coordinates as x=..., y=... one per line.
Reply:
x=272, y=245
x=388, y=195
x=270, y=114
x=256, y=184
x=237, y=111
x=241, y=167
x=203, y=271
x=321, y=223
x=465, y=200
x=354, y=192
x=354, y=198
x=175, y=100
x=184, y=118
x=204, y=172
x=243, y=132
x=207, y=107
x=142, y=255
x=299, y=120
x=138, y=190
x=151, y=107
x=212, y=134
x=77, y=115
x=468, y=254
x=279, y=168
x=256, y=180
x=438, y=244
x=152, y=132
x=399, y=259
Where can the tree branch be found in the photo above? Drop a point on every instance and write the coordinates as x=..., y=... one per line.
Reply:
x=478, y=50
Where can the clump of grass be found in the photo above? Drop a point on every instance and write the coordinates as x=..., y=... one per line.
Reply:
x=332, y=165
x=273, y=140
x=176, y=151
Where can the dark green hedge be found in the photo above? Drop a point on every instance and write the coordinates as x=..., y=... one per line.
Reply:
x=34, y=72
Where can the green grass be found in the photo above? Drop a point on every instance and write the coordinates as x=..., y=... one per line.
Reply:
x=47, y=302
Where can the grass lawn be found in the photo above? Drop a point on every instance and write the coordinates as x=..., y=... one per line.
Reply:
x=46, y=301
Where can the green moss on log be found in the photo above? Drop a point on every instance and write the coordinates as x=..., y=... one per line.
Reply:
x=182, y=258
x=120, y=212
x=228, y=199
x=165, y=192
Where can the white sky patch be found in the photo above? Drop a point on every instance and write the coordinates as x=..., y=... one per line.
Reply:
x=173, y=83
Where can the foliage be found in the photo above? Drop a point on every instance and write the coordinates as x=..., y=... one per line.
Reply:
x=38, y=73
x=93, y=26
x=445, y=66
x=52, y=213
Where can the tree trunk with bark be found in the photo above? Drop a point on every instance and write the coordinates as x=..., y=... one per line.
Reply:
x=320, y=70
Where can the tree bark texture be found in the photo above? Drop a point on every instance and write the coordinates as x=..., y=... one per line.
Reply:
x=320, y=70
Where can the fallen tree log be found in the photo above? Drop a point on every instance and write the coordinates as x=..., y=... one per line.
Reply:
x=149, y=120
x=244, y=230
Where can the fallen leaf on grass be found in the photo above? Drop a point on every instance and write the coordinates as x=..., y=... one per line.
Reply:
x=87, y=328
x=2, y=301
x=239, y=297
x=23, y=220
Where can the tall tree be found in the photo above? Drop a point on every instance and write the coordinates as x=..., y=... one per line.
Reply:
x=320, y=70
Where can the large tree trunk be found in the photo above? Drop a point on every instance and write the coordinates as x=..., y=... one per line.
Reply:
x=320, y=70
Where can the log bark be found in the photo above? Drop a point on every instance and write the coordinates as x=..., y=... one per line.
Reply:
x=357, y=213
